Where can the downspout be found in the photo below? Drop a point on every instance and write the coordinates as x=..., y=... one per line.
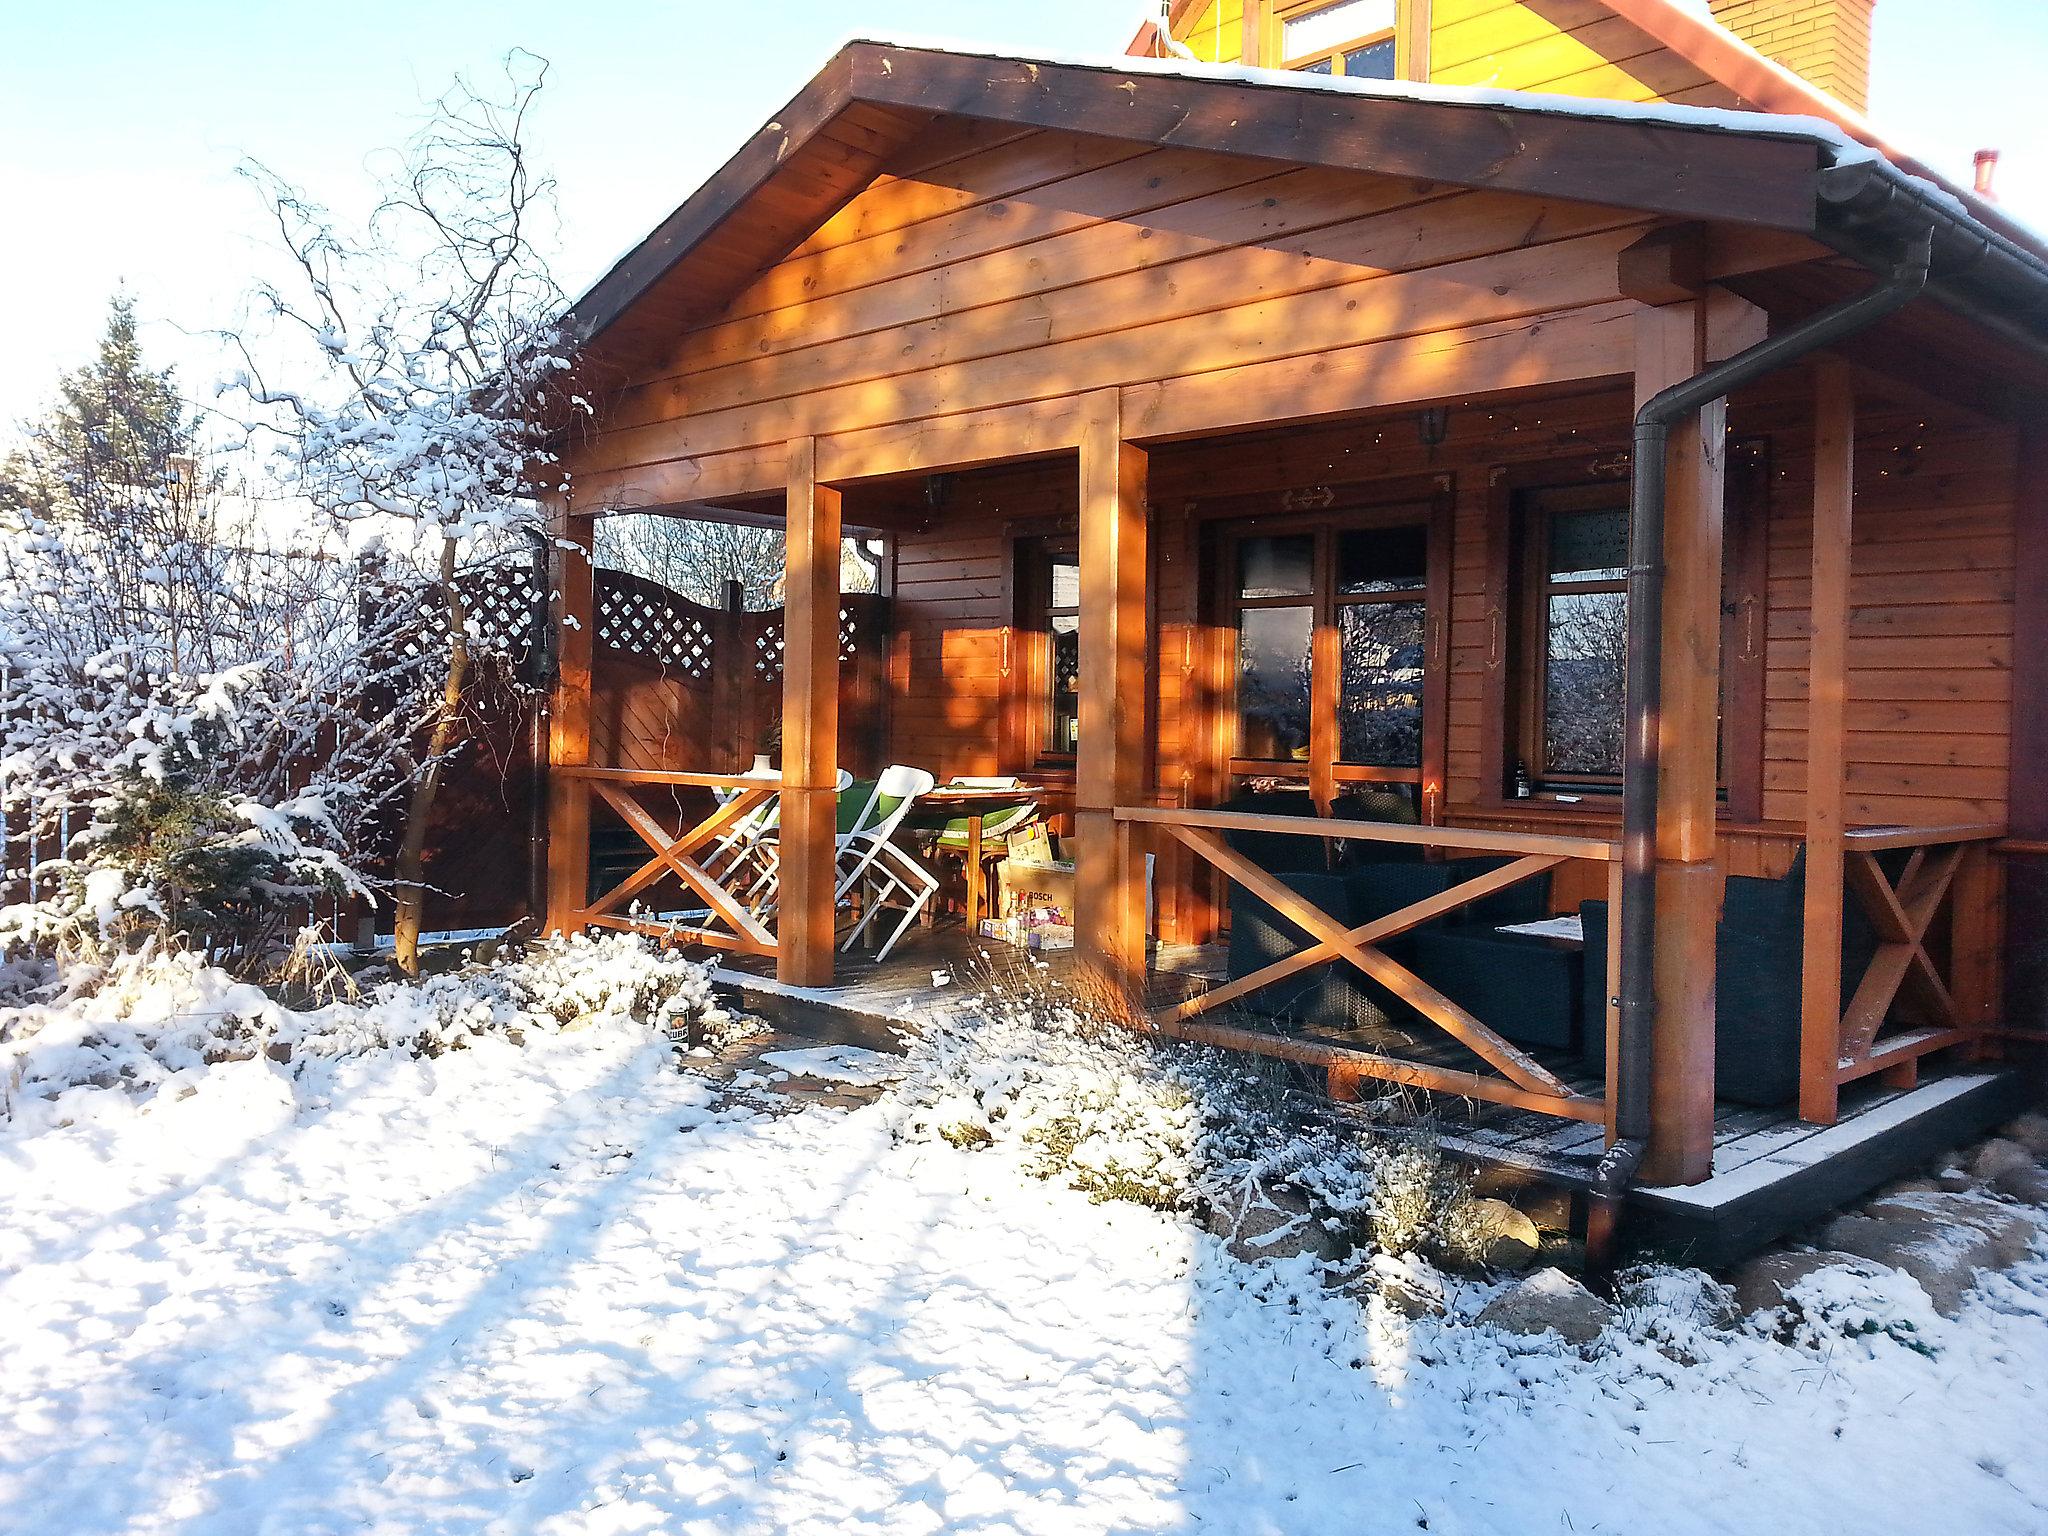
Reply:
x=1644, y=708
x=546, y=670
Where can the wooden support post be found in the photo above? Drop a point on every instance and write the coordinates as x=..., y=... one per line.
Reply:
x=810, y=724
x=1834, y=498
x=1109, y=768
x=1671, y=345
x=1251, y=48
x=575, y=619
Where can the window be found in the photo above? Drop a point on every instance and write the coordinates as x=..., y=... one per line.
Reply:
x=1063, y=621
x=1332, y=622
x=1580, y=615
x=1355, y=38
x=1044, y=659
x=1555, y=641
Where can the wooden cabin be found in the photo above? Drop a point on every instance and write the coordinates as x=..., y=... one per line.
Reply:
x=1244, y=434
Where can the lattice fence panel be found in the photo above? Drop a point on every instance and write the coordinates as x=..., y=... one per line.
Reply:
x=646, y=620
x=768, y=649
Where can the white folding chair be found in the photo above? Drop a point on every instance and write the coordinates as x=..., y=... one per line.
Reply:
x=868, y=858
x=763, y=852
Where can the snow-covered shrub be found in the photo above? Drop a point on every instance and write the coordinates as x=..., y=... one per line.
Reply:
x=1680, y=1310
x=554, y=985
x=1838, y=1301
x=130, y=1024
x=1115, y=1111
x=1086, y=1101
x=147, y=1015
x=1422, y=1201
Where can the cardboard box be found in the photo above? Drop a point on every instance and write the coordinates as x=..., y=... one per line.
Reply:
x=1028, y=889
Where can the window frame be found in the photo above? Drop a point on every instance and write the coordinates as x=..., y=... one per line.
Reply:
x=1506, y=695
x=1027, y=649
x=1402, y=33
x=1424, y=500
x=1537, y=588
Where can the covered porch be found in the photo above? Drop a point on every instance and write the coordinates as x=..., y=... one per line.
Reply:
x=1334, y=709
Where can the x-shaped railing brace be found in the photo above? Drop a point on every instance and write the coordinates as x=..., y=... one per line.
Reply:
x=672, y=857
x=1903, y=914
x=1357, y=946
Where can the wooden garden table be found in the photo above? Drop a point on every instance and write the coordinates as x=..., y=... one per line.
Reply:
x=975, y=802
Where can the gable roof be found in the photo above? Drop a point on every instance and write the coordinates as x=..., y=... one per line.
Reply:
x=1800, y=174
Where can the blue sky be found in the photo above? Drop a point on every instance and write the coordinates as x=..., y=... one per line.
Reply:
x=121, y=123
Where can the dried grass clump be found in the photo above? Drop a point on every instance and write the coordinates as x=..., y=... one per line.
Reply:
x=1423, y=1202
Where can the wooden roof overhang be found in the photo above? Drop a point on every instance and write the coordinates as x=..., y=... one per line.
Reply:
x=873, y=98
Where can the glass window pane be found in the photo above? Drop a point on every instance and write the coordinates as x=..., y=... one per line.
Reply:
x=1277, y=567
x=1379, y=698
x=1066, y=584
x=1373, y=62
x=1320, y=67
x=1064, y=728
x=1590, y=546
x=1272, y=682
x=1334, y=25
x=1586, y=640
x=1382, y=559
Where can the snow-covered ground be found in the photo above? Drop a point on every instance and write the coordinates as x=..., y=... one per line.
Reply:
x=559, y=1287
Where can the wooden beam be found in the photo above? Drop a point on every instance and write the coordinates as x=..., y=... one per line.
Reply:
x=1834, y=503
x=1110, y=760
x=1413, y=47
x=1465, y=839
x=575, y=623
x=1343, y=1062
x=1671, y=346
x=1251, y=47
x=810, y=724
x=1660, y=167
x=1666, y=266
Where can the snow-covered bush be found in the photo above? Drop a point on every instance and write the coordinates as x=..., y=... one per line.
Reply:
x=1114, y=1111
x=1681, y=1311
x=188, y=744
x=148, y=1015
x=1422, y=1201
x=1839, y=1301
x=1085, y=1101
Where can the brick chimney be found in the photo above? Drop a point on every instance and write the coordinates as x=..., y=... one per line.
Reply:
x=1826, y=41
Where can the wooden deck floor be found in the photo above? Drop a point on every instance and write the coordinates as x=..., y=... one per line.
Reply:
x=1773, y=1173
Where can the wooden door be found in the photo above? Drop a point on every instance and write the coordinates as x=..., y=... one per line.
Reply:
x=1337, y=620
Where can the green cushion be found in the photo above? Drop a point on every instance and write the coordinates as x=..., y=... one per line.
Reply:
x=852, y=801
x=999, y=824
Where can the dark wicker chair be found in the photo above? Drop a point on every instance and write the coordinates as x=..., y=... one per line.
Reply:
x=1758, y=954
x=1370, y=881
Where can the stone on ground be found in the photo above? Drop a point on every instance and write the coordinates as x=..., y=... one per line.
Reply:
x=1502, y=1237
x=2030, y=1130
x=1409, y=1286
x=1549, y=1301
x=2009, y=1168
x=1260, y=1221
x=1941, y=1239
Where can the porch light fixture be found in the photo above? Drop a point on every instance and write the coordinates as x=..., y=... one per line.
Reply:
x=1433, y=425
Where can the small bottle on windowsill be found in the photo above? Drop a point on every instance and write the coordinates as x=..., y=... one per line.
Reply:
x=1523, y=788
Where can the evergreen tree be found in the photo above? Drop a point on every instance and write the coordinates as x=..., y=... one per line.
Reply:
x=119, y=427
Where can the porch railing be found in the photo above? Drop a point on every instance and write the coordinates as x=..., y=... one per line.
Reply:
x=728, y=922
x=1908, y=1003
x=1517, y=1078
